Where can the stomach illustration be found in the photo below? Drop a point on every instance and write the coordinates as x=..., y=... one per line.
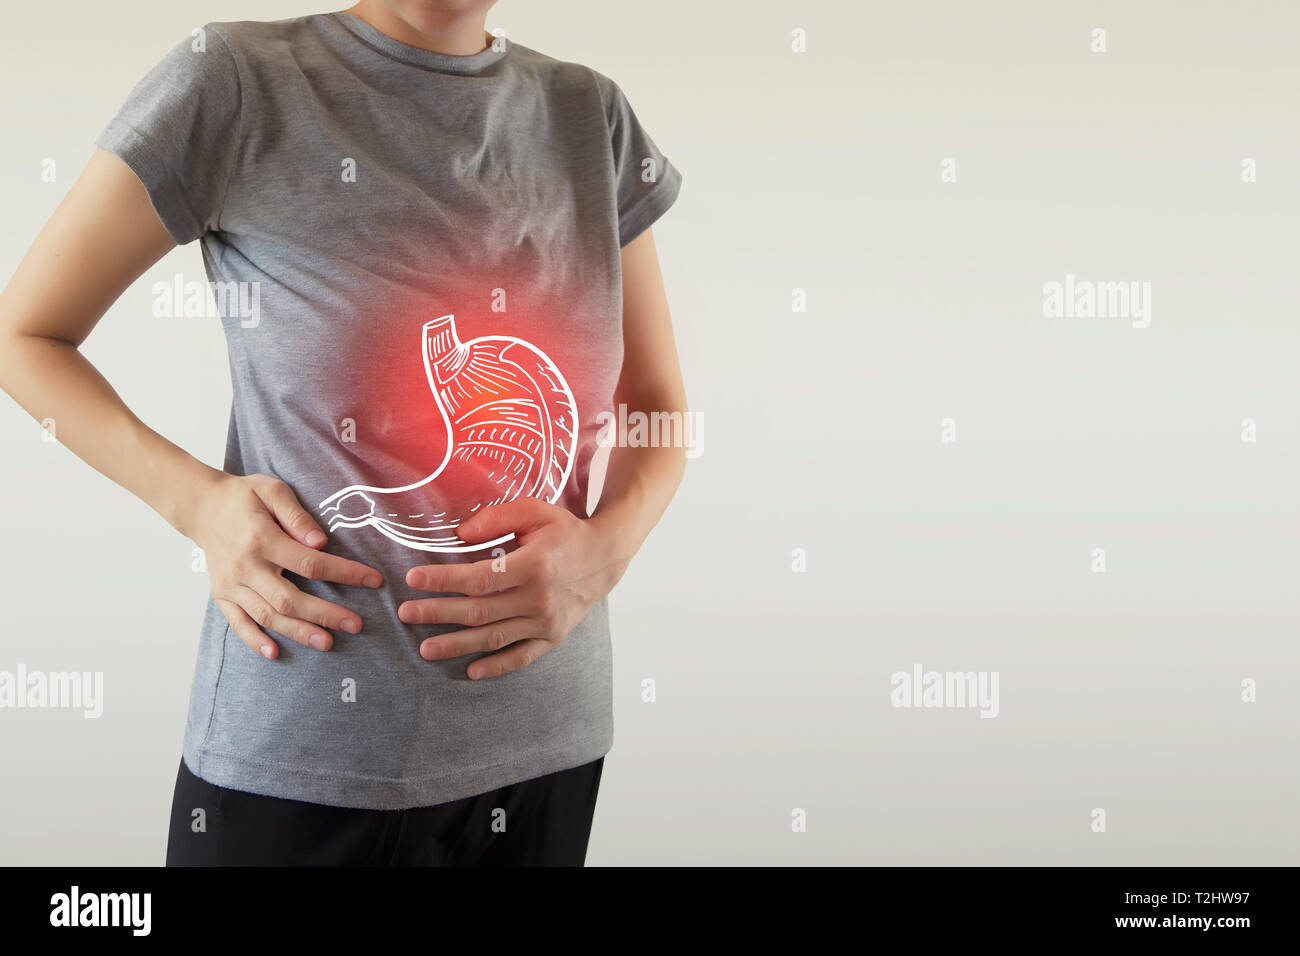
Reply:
x=511, y=432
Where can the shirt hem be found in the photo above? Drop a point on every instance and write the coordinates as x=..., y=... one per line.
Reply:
x=141, y=157
x=650, y=207
x=360, y=791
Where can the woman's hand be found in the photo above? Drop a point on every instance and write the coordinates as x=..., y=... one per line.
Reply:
x=522, y=605
x=251, y=529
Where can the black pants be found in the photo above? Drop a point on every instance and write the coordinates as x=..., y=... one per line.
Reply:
x=546, y=822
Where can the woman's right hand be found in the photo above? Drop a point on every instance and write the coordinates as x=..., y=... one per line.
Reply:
x=253, y=528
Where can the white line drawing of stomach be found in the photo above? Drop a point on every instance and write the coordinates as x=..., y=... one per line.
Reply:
x=512, y=431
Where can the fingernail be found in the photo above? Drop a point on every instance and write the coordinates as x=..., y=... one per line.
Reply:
x=319, y=641
x=316, y=538
x=266, y=651
x=351, y=626
x=373, y=581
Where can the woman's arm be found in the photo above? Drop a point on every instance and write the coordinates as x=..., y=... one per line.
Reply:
x=101, y=238
x=640, y=482
x=97, y=243
x=564, y=565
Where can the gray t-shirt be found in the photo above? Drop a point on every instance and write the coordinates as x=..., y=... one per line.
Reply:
x=432, y=323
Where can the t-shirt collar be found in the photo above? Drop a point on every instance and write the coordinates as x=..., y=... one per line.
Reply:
x=427, y=59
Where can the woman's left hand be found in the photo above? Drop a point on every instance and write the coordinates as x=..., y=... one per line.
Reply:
x=520, y=605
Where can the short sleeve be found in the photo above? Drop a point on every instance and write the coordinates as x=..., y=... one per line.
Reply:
x=179, y=133
x=646, y=182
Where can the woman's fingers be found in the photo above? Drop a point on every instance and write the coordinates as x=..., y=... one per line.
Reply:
x=267, y=617
x=514, y=658
x=481, y=577
x=284, y=552
x=470, y=611
x=515, y=650
x=289, y=513
x=490, y=637
x=260, y=531
x=286, y=600
x=246, y=629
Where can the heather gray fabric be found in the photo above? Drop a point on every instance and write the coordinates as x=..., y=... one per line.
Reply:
x=367, y=187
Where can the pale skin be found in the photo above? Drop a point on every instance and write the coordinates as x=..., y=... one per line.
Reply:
x=105, y=235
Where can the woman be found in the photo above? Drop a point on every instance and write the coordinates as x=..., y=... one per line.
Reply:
x=432, y=253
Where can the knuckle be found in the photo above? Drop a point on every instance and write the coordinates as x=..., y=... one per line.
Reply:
x=475, y=614
x=496, y=639
x=311, y=566
x=282, y=601
x=554, y=617
x=262, y=614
